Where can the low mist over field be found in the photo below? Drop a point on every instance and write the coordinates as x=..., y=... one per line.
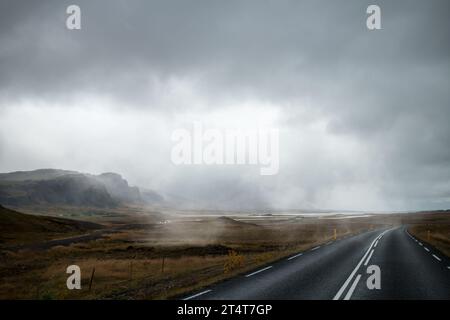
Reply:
x=224, y=150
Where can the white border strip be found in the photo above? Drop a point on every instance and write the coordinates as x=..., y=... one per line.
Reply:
x=296, y=256
x=436, y=257
x=261, y=270
x=197, y=295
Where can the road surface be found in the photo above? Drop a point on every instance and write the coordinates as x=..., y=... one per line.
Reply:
x=338, y=270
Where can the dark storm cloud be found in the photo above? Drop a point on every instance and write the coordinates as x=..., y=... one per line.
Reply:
x=283, y=48
x=388, y=89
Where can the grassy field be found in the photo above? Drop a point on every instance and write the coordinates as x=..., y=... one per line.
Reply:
x=17, y=228
x=434, y=229
x=166, y=255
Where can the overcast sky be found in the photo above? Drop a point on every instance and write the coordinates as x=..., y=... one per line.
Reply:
x=363, y=115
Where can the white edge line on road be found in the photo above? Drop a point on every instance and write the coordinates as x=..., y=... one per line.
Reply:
x=418, y=242
x=260, y=270
x=436, y=257
x=426, y=249
x=406, y=230
x=315, y=248
x=196, y=295
x=368, y=258
x=376, y=243
x=296, y=256
x=352, y=288
x=350, y=277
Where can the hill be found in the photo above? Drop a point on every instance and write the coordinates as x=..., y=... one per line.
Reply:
x=40, y=174
x=16, y=227
x=63, y=187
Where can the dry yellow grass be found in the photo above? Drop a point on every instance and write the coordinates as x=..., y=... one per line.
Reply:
x=437, y=235
x=122, y=277
x=129, y=262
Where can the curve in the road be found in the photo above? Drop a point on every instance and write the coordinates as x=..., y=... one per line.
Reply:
x=338, y=270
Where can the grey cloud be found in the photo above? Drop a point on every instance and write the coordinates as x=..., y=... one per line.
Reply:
x=387, y=89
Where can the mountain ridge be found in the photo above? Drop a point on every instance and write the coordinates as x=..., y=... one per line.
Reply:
x=67, y=187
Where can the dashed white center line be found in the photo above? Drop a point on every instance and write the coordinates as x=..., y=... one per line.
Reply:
x=352, y=288
x=420, y=244
x=197, y=295
x=376, y=243
x=426, y=249
x=256, y=272
x=448, y=267
x=436, y=257
x=296, y=256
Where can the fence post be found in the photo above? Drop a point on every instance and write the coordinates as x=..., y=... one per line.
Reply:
x=92, y=278
x=131, y=270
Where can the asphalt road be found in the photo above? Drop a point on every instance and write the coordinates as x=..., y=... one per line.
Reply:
x=408, y=269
